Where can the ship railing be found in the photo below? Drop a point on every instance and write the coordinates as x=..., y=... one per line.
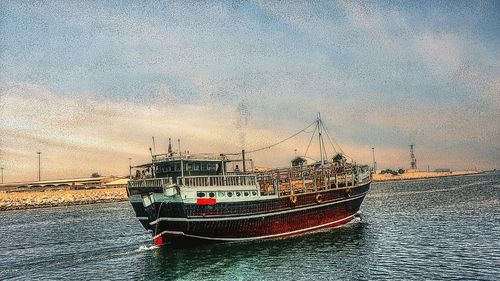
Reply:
x=200, y=156
x=227, y=180
x=154, y=182
x=305, y=183
x=147, y=186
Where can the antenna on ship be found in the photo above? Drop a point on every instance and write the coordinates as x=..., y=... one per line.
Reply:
x=169, y=147
x=154, y=145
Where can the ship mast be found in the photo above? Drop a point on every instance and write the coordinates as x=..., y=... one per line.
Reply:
x=320, y=140
x=319, y=126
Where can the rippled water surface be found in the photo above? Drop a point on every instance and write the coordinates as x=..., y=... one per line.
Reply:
x=435, y=229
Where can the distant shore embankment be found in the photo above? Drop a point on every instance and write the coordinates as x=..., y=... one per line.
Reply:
x=420, y=175
x=62, y=198
x=42, y=199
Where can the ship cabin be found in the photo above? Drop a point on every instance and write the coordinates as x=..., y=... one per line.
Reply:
x=176, y=167
x=199, y=173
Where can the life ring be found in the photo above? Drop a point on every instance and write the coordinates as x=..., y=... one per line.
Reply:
x=293, y=198
x=318, y=198
x=348, y=192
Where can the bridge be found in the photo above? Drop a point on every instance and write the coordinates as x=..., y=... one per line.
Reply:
x=75, y=183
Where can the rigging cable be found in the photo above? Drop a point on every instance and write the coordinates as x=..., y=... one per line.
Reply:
x=310, y=141
x=341, y=151
x=328, y=135
x=275, y=144
x=325, y=156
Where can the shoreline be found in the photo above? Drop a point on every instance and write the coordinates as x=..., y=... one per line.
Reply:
x=62, y=198
x=421, y=175
x=55, y=198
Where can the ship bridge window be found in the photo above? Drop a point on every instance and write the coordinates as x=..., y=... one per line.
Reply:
x=212, y=166
x=204, y=166
x=172, y=168
x=177, y=167
x=164, y=169
x=197, y=166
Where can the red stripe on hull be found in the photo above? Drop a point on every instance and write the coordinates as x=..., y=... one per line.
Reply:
x=206, y=201
x=158, y=240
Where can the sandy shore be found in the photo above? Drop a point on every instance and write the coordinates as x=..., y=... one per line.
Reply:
x=420, y=175
x=38, y=199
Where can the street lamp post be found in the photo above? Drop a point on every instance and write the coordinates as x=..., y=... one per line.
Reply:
x=374, y=162
x=130, y=167
x=39, y=173
x=2, y=175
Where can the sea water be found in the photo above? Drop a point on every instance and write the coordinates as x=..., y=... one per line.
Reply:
x=438, y=229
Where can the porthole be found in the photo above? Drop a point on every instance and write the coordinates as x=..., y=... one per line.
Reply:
x=200, y=194
x=254, y=193
x=211, y=195
x=246, y=193
x=238, y=193
x=229, y=194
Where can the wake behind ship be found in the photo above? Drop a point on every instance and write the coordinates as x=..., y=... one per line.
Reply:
x=183, y=198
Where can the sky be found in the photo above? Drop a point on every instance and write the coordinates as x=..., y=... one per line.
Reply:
x=88, y=83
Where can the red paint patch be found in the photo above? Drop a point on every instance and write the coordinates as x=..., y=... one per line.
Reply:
x=206, y=201
x=158, y=240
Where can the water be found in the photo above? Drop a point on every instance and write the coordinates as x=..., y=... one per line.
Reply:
x=445, y=228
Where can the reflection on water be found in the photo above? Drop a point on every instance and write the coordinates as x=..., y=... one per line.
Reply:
x=237, y=260
x=437, y=229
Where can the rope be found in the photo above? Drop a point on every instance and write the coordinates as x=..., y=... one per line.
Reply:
x=325, y=156
x=329, y=139
x=275, y=144
x=157, y=217
x=310, y=141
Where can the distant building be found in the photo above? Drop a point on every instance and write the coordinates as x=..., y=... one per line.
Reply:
x=119, y=183
x=65, y=184
x=442, y=170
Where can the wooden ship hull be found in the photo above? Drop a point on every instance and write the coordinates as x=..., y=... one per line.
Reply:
x=181, y=223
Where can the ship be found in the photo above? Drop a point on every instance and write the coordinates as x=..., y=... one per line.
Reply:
x=188, y=199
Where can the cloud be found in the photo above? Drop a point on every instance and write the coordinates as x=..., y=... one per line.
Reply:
x=96, y=81
x=77, y=135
